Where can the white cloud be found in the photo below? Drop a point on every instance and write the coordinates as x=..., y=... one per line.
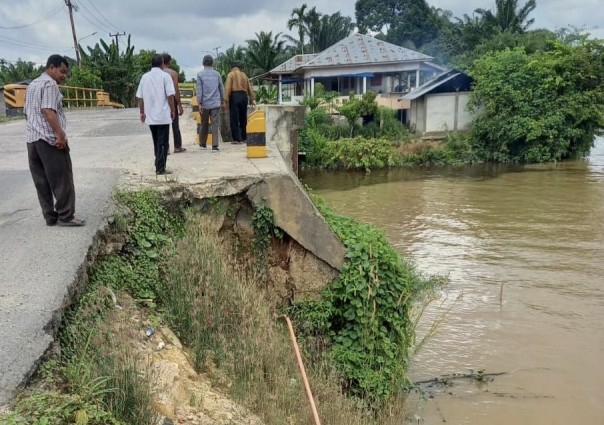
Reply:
x=189, y=28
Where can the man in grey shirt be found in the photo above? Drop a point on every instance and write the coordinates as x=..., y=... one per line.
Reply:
x=210, y=95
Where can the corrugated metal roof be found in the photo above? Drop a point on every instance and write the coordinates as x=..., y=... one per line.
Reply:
x=431, y=85
x=294, y=63
x=356, y=49
x=363, y=49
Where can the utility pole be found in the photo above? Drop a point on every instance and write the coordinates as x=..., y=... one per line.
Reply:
x=70, y=6
x=116, y=35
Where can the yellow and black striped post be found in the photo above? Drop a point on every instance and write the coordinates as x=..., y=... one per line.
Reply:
x=256, y=135
x=14, y=96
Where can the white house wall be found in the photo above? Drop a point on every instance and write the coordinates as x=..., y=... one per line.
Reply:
x=417, y=115
x=464, y=117
x=440, y=111
x=436, y=113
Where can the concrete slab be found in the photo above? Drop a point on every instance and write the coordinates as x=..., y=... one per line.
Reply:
x=40, y=264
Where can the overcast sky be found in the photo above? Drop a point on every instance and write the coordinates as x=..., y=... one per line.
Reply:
x=188, y=29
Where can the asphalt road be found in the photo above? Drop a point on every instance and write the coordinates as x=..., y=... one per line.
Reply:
x=38, y=264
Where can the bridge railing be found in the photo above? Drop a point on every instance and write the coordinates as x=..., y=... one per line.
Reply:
x=73, y=97
x=82, y=97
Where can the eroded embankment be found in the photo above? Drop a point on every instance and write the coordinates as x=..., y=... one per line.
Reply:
x=181, y=315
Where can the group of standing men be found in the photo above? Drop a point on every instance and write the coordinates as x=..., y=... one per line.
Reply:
x=161, y=97
x=159, y=106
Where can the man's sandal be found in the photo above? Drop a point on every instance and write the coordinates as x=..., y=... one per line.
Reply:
x=74, y=222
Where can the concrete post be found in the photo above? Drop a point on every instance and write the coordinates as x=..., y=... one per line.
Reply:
x=280, y=100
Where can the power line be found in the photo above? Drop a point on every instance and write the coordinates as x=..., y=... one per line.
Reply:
x=103, y=26
x=103, y=16
x=29, y=45
x=116, y=35
x=50, y=15
x=95, y=25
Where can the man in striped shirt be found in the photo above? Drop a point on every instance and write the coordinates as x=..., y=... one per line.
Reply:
x=48, y=147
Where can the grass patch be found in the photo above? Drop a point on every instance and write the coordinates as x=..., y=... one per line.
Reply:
x=225, y=316
x=11, y=118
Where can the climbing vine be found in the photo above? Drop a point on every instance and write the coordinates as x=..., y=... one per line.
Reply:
x=263, y=222
x=364, y=315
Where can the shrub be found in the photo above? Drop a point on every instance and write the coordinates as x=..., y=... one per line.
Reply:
x=539, y=107
x=358, y=154
x=364, y=315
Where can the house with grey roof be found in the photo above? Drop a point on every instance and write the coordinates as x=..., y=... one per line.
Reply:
x=356, y=64
x=440, y=104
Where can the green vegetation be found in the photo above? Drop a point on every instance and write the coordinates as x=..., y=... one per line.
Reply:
x=13, y=72
x=545, y=106
x=96, y=380
x=222, y=311
x=212, y=296
x=363, y=319
x=383, y=143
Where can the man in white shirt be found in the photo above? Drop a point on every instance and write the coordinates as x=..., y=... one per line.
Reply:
x=155, y=95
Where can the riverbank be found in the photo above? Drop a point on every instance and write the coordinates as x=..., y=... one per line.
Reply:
x=181, y=315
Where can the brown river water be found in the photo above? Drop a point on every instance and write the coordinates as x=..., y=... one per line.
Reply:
x=523, y=248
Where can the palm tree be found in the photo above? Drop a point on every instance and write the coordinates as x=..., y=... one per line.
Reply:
x=474, y=30
x=298, y=19
x=18, y=71
x=508, y=17
x=332, y=28
x=265, y=52
x=225, y=59
x=313, y=26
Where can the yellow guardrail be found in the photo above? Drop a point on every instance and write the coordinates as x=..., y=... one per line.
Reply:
x=73, y=97
x=82, y=97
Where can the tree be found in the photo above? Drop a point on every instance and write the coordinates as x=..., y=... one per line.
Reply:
x=265, y=52
x=82, y=76
x=539, y=107
x=225, y=59
x=313, y=26
x=298, y=20
x=13, y=72
x=331, y=29
x=118, y=70
x=508, y=17
x=404, y=22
